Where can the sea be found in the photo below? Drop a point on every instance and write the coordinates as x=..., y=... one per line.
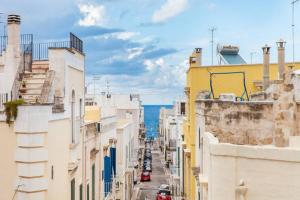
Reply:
x=151, y=118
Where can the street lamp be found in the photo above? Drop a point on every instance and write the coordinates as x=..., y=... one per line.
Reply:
x=293, y=27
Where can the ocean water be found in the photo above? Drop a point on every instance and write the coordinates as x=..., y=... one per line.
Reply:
x=151, y=118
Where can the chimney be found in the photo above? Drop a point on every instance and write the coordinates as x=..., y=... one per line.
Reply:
x=196, y=58
x=266, y=66
x=281, y=57
x=13, y=30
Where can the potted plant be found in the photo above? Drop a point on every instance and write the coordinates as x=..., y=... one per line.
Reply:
x=23, y=87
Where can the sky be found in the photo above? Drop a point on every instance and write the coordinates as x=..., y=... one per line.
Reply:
x=143, y=46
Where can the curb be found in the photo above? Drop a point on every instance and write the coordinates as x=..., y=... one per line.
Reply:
x=135, y=194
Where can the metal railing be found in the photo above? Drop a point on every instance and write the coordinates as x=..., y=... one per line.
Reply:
x=3, y=44
x=4, y=97
x=26, y=42
x=40, y=50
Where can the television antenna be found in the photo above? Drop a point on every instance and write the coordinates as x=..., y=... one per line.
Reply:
x=293, y=27
x=213, y=30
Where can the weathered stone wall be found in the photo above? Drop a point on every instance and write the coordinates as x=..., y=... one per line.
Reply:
x=238, y=122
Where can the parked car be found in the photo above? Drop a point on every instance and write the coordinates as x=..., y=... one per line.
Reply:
x=164, y=193
x=145, y=176
x=148, y=157
x=147, y=168
x=147, y=150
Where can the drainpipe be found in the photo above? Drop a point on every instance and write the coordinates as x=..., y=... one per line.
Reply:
x=281, y=57
x=266, y=67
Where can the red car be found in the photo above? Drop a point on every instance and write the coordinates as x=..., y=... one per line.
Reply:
x=163, y=195
x=145, y=176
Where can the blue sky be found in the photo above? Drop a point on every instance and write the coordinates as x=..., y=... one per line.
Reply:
x=142, y=46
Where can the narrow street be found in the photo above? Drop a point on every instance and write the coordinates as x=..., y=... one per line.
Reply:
x=148, y=190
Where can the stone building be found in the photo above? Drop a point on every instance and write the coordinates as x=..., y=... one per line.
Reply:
x=250, y=149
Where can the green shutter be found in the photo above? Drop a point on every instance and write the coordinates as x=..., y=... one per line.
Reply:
x=93, y=182
x=80, y=192
x=87, y=192
x=73, y=189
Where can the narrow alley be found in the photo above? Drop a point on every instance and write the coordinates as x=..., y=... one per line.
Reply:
x=148, y=190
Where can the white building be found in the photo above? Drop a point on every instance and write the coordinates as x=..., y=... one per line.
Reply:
x=41, y=148
x=120, y=120
x=171, y=132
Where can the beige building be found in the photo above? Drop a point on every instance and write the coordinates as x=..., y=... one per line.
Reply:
x=250, y=150
x=41, y=148
x=119, y=117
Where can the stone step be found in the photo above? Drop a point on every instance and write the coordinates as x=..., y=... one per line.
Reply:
x=34, y=81
x=34, y=75
x=32, y=92
x=29, y=98
x=33, y=85
x=39, y=70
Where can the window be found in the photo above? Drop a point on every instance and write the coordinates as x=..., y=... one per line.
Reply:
x=182, y=108
x=98, y=127
x=93, y=182
x=88, y=192
x=80, y=110
x=80, y=192
x=73, y=189
x=199, y=137
x=52, y=172
x=73, y=116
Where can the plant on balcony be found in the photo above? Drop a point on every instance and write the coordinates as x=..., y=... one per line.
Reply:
x=11, y=109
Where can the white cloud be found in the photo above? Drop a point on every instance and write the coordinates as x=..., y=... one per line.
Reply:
x=169, y=10
x=160, y=84
x=93, y=15
x=134, y=52
x=165, y=75
x=125, y=35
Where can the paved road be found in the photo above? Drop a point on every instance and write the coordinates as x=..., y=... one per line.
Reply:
x=158, y=177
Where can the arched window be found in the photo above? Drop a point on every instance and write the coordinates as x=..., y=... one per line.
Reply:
x=73, y=116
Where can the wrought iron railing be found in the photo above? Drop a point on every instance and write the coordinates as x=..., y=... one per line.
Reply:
x=40, y=50
x=4, y=97
x=3, y=44
x=26, y=42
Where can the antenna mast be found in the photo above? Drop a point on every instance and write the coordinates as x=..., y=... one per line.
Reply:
x=212, y=30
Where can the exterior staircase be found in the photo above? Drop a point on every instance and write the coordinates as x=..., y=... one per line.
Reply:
x=32, y=86
x=33, y=83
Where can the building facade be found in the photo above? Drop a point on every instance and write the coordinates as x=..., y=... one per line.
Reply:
x=235, y=81
x=41, y=142
x=251, y=150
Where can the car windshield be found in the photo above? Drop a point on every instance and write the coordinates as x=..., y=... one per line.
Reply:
x=164, y=192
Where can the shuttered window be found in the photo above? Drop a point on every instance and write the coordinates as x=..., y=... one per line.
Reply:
x=73, y=189
x=93, y=182
x=80, y=192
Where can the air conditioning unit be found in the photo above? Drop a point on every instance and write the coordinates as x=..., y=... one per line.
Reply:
x=227, y=97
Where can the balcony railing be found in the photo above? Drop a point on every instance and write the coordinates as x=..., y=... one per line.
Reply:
x=4, y=97
x=3, y=44
x=40, y=50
